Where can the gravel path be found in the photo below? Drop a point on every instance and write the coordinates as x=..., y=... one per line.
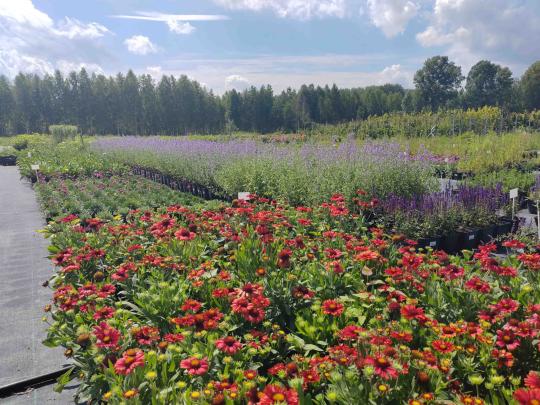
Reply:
x=23, y=269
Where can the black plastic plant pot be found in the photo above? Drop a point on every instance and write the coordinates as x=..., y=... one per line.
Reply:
x=523, y=200
x=531, y=205
x=434, y=242
x=469, y=238
x=451, y=243
x=488, y=233
x=8, y=161
x=504, y=227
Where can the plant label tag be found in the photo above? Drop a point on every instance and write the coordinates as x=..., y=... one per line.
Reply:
x=471, y=236
x=35, y=167
x=29, y=154
x=244, y=196
x=514, y=193
x=432, y=243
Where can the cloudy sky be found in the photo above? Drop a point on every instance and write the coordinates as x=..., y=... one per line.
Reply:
x=236, y=43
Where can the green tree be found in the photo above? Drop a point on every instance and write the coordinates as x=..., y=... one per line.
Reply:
x=7, y=106
x=488, y=84
x=530, y=87
x=438, y=82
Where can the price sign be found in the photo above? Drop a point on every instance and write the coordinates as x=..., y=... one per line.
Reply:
x=244, y=196
x=514, y=193
x=513, y=196
x=35, y=167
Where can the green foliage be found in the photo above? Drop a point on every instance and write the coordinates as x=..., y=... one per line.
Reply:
x=69, y=159
x=488, y=84
x=62, y=133
x=530, y=86
x=105, y=196
x=438, y=82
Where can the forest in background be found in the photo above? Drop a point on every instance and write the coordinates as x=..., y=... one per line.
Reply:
x=139, y=105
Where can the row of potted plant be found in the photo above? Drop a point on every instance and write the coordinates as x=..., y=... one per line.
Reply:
x=263, y=303
x=453, y=219
x=105, y=196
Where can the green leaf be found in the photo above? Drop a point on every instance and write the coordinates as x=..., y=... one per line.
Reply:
x=63, y=380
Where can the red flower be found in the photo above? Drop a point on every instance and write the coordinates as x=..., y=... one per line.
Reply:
x=411, y=311
x=383, y=367
x=505, y=306
x=514, y=244
x=507, y=339
x=274, y=394
x=184, y=234
x=145, y=335
x=195, y=366
x=254, y=315
x=284, y=258
x=333, y=253
x=528, y=397
x=191, y=305
x=228, y=345
x=477, y=284
x=351, y=332
x=107, y=336
x=130, y=360
x=442, y=346
x=332, y=307
x=533, y=380
x=104, y=313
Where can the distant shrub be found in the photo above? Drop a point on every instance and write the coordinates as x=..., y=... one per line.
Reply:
x=20, y=144
x=62, y=132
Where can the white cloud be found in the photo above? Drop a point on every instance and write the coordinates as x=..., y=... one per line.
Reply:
x=236, y=82
x=177, y=23
x=299, y=9
x=140, y=45
x=72, y=28
x=155, y=71
x=286, y=71
x=392, y=16
x=396, y=75
x=180, y=27
x=501, y=30
x=31, y=41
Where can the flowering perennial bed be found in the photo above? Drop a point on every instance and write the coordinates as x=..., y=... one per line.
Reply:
x=265, y=304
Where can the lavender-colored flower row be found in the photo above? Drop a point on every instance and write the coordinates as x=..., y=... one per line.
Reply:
x=469, y=198
x=217, y=152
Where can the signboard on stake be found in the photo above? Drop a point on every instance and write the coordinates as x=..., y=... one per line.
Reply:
x=244, y=196
x=513, y=195
x=36, y=169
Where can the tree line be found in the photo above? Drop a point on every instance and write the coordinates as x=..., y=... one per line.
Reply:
x=131, y=104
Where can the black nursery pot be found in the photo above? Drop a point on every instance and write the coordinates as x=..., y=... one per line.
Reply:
x=8, y=161
x=531, y=205
x=469, y=238
x=504, y=227
x=523, y=200
x=488, y=233
x=451, y=243
x=433, y=242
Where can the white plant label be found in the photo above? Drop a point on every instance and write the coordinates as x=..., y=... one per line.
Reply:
x=29, y=154
x=244, y=196
x=432, y=244
x=514, y=193
x=35, y=167
x=471, y=237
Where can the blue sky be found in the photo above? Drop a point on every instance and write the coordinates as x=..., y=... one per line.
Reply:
x=236, y=43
